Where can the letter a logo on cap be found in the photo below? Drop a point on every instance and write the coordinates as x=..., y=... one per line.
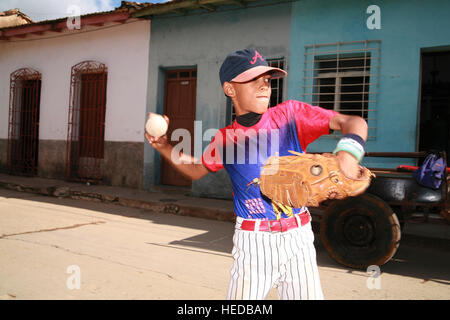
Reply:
x=255, y=57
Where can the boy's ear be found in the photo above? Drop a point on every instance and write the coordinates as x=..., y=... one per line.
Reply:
x=228, y=89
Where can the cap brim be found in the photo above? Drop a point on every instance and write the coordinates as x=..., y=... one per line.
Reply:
x=252, y=73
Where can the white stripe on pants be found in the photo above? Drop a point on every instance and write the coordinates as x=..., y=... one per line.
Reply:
x=286, y=260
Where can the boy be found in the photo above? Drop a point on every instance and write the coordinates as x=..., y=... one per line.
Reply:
x=273, y=245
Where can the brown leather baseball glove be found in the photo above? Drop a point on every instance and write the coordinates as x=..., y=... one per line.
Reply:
x=308, y=179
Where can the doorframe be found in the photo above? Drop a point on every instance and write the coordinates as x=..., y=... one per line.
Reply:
x=17, y=79
x=161, y=108
x=423, y=51
x=73, y=166
x=419, y=104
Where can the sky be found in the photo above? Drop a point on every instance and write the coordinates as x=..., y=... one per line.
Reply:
x=39, y=10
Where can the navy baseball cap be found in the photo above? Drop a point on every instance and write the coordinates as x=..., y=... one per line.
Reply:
x=246, y=65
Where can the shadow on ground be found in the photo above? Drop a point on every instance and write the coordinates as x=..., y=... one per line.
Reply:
x=412, y=261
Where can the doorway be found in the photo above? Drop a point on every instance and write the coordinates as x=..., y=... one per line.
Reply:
x=86, y=130
x=179, y=106
x=435, y=102
x=23, y=141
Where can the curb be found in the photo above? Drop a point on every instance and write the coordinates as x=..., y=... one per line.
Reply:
x=157, y=206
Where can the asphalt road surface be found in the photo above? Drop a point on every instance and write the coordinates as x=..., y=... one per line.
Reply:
x=54, y=248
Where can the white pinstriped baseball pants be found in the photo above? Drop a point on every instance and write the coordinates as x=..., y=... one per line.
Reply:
x=285, y=260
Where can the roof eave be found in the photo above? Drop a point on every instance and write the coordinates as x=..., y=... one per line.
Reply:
x=59, y=25
x=176, y=6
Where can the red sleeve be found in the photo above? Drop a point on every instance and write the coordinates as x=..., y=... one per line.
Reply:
x=311, y=121
x=211, y=158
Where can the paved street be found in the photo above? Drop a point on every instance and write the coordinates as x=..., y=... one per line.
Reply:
x=48, y=244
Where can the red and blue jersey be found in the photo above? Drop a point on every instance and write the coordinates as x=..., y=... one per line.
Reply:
x=242, y=151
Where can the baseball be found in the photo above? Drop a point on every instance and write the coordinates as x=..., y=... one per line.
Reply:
x=156, y=125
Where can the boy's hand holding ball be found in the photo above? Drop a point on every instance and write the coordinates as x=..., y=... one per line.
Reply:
x=156, y=129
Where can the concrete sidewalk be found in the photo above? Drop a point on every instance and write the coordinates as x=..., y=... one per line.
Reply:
x=169, y=201
x=175, y=202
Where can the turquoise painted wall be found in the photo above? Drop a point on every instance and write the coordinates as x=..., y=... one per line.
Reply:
x=407, y=27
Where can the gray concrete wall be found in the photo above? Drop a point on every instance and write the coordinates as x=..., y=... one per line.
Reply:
x=203, y=41
x=52, y=159
x=122, y=163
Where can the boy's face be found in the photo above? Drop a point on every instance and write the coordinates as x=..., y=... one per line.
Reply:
x=251, y=96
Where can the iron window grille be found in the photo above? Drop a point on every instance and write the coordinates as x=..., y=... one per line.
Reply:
x=23, y=124
x=344, y=77
x=276, y=85
x=86, y=129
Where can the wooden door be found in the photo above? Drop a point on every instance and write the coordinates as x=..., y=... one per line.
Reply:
x=179, y=106
x=92, y=115
x=91, y=126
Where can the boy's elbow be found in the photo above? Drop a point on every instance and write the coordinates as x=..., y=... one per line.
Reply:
x=363, y=122
x=342, y=122
x=199, y=172
x=196, y=177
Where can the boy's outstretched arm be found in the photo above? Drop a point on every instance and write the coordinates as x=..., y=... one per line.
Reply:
x=349, y=124
x=184, y=164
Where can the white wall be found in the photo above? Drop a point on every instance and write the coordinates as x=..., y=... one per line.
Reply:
x=124, y=50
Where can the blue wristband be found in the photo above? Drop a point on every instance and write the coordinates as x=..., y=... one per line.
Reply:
x=355, y=137
x=350, y=149
x=352, y=146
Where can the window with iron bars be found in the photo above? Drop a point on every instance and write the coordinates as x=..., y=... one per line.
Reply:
x=276, y=85
x=344, y=77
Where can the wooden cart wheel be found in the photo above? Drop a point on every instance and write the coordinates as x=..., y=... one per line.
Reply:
x=360, y=231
